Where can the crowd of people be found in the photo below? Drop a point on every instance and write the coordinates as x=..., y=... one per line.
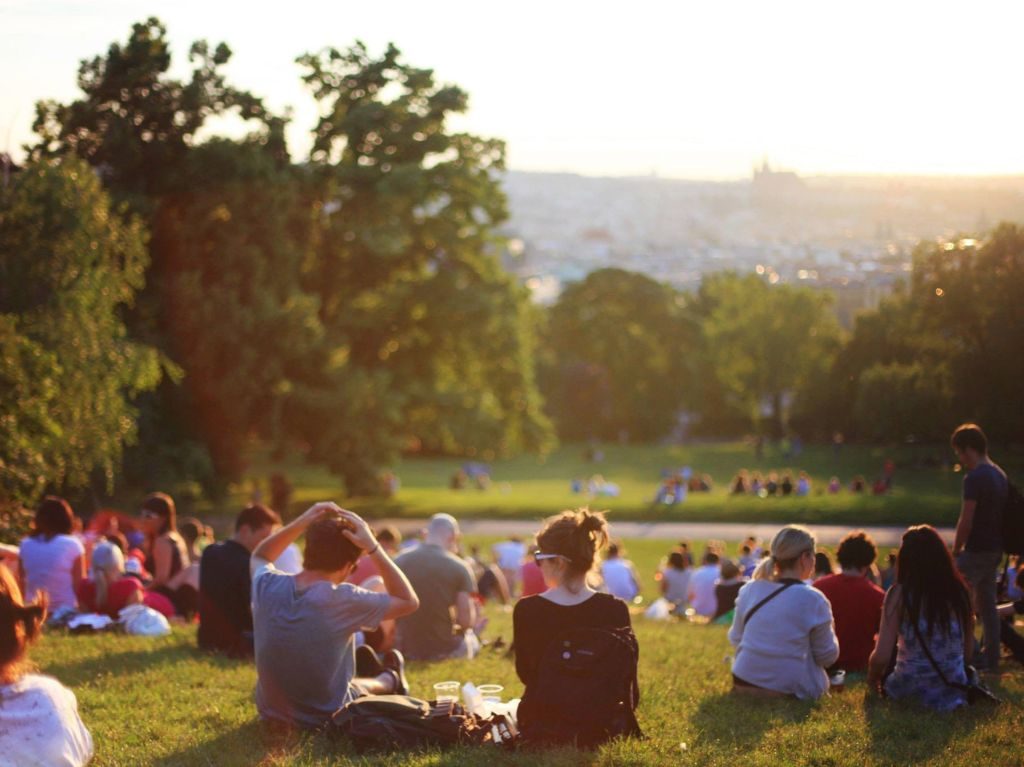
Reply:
x=339, y=620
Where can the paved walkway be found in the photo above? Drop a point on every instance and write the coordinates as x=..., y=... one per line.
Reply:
x=727, y=531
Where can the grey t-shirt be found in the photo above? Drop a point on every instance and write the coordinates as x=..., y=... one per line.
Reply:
x=305, y=654
x=437, y=576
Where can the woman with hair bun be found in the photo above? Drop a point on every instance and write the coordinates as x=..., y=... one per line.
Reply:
x=566, y=553
x=783, y=630
x=39, y=722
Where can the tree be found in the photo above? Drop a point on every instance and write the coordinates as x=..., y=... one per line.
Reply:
x=966, y=294
x=766, y=343
x=69, y=265
x=618, y=344
x=896, y=402
x=413, y=298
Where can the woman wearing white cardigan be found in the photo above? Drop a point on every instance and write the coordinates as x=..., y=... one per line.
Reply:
x=783, y=630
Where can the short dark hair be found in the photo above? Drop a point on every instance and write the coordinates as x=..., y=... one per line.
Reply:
x=327, y=546
x=856, y=550
x=255, y=516
x=969, y=435
x=190, y=529
x=676, y=560
x=53, y=517
x=710, y=558
x=389, y=534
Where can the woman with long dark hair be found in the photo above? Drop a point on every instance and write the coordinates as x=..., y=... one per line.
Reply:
x=926, y=612
x=166, y=552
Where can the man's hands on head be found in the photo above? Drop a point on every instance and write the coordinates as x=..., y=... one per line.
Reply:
x=318, y=510
x=361, y=534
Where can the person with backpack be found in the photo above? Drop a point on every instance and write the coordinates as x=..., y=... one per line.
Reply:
x=575, y=649
x=978, y=547
x=927, y=624
x=782, y=629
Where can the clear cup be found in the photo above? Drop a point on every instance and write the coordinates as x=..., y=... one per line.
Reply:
x=446, y=691
x=491, y=693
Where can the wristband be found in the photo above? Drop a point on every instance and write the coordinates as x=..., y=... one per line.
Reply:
x=374, y=549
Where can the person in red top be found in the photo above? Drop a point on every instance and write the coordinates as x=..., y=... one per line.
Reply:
x=532, y=579
x=109, y=590
x=856, y=601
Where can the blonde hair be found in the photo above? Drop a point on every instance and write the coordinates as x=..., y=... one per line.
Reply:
x=787, y=546
x=107, y=567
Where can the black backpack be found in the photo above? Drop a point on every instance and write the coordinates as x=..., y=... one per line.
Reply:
x=1013, y=521
x=586, y=690
x=400, y=722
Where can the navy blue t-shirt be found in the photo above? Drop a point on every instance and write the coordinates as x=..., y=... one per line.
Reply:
x=986, y=485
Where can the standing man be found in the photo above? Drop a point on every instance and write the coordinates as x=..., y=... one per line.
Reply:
x=978, y=547
x=444, y=625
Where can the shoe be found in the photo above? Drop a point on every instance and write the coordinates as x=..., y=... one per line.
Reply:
x=368, y=663
x=394, y=662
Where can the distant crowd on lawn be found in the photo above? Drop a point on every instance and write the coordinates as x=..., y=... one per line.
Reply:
x=337, y=622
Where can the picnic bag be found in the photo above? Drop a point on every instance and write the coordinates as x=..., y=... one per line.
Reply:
x=586, y=690
x=400, y=722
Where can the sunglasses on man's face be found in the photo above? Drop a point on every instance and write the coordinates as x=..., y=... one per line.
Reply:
x=147, y=514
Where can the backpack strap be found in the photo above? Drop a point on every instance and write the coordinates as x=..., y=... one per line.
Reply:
x=767, y=599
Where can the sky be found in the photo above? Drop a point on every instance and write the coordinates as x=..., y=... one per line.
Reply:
x=700, y=89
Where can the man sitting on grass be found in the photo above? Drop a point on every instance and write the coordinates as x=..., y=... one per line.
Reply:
x=304, y=623
x=446, y=626
x=225, y=611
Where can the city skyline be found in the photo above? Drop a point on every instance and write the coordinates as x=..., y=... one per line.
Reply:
x=680, y=92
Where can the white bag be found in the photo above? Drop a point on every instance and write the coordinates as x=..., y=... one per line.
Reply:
x=660, y=610
x=144, y=621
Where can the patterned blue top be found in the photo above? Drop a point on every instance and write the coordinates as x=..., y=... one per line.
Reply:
x=914, y=676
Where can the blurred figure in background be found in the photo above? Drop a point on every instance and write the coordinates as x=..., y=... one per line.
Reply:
x=52, y=560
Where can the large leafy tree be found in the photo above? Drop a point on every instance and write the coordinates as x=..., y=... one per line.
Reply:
x=406, y=264
x=69, y=265
x=618, y=344
x=228, y=223
x=967, y=298
x=766, y=343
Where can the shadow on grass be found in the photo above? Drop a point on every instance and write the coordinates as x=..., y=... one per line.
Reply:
x=135, y=661
x=904, y=732
x=738, y=724
x=249, y=743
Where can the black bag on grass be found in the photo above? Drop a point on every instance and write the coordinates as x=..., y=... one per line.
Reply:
x=586, y=690
x=400, y=722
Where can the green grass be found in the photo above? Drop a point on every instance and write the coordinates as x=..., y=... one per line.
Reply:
x=160, y=702
x=528, y=487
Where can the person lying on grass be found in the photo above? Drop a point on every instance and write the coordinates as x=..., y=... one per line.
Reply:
x=304, y=624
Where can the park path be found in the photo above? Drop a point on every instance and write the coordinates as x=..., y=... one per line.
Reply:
x=728, y=531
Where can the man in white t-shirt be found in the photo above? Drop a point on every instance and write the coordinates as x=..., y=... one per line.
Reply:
x=702, y=586
x=509, y=556
x=619, y=575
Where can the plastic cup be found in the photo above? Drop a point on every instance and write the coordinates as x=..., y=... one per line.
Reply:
x=445, y=691
x=491, y=693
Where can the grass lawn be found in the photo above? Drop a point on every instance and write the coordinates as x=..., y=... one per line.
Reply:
x=160, y=702
x=528, y=487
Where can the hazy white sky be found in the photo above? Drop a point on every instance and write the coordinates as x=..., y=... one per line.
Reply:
x=684, y=88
